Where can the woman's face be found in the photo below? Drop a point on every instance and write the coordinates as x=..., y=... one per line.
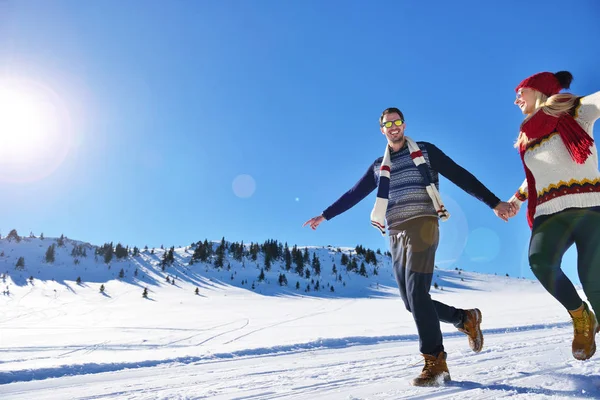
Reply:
x=526, y=100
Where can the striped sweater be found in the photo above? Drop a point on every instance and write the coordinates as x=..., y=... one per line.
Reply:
x=408, y=197
x=560, y=182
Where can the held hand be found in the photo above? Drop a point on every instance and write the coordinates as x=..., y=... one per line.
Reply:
x=516, y=207
x=314, y=222
x=505, y=210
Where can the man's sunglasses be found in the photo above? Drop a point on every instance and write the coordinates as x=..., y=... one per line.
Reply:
x=388, y=124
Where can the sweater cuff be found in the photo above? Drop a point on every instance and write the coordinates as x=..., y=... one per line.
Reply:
x=517, y=199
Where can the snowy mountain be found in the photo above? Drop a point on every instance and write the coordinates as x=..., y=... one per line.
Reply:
x=321, y=272
x=203, y=331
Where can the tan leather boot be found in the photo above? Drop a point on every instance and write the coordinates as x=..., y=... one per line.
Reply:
x=585, y=328
x=472, y=328
x=435, y=372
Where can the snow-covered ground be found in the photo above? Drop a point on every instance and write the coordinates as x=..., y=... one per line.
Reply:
x=64, y=340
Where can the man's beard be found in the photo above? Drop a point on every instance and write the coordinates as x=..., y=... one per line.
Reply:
x=396, y=138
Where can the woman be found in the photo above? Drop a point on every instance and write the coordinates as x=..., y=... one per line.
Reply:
x=563, y=188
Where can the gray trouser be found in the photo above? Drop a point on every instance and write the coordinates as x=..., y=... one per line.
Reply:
x=413, y=245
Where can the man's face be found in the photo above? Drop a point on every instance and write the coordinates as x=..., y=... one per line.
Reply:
x=395, y=132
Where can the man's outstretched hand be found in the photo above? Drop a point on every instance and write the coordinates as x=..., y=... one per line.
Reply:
x=314, y=222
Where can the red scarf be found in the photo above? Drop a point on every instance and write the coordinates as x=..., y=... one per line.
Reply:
x=575, y=139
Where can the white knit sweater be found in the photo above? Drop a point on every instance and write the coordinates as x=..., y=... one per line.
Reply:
x=560, y=182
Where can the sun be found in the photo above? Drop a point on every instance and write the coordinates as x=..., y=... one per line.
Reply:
x=34, y=130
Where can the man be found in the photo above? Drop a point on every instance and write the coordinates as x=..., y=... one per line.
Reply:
x=408, y=200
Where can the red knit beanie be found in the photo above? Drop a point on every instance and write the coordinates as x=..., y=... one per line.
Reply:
x=545, y=82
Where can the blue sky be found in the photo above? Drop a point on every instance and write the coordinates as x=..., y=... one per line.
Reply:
x=183, y=120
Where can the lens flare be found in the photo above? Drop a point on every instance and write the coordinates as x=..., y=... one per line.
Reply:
x=243, y=186
x=35, y=131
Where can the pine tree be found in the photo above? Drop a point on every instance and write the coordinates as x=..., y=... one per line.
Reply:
x=280, y=280
x=352, y=265
x=261, y=277
x=297, y=285
x=164, y=261
x=108, y=253
x=363, y=269
x=120, y=251
x=20, y=263
x=13, y=235
x=197, y=291
x=220, y=253
x=370, y=257
x=171, y=255
x=78, y=280
x=359, y=250
x=50, y=254
x=121, y=273
x=344, y=260
x=316, y=264
x=334, y=270
x=42, y=236
x=145, y=294
x=102, y=288
x=288, y=258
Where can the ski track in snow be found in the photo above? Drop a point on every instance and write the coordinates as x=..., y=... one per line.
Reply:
x=346, y=368
x=312, y=314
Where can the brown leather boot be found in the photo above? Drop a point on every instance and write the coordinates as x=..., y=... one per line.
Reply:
x=585, y=328
x=472, y=329
x=435, y=372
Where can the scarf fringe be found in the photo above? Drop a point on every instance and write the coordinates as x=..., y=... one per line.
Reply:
x=578, y=145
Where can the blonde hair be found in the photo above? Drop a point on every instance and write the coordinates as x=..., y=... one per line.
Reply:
x=555, y=106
